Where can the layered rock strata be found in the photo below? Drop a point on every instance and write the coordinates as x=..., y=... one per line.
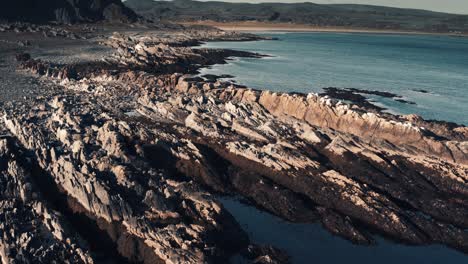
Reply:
x=130, y=141
x=30, y=229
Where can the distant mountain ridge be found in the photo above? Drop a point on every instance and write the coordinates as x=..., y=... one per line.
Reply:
x=341, y=15
x=65, y=11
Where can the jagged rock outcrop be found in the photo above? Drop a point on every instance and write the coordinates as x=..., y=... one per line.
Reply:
x=148, y=215
x=31, y=231
x=136, y=147
x=321, y=112
x=160, y=55
x=65, y=11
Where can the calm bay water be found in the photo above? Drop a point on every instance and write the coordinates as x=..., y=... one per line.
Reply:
x=402, y=64
x=310, y=243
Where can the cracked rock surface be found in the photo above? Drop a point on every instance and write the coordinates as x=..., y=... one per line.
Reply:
x=135, y=148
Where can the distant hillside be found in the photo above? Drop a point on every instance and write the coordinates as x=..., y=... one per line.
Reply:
x=359, y=16
x=65, y=11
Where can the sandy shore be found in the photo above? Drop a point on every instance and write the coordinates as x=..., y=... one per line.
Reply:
x=250, y=26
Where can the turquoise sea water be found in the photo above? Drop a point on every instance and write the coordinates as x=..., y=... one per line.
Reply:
x=307, y=62
x=402, y=64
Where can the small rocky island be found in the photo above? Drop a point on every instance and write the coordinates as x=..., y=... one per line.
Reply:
x=113, y=150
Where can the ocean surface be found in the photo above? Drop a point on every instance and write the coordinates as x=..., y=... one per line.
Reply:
x=310, y=243
x=307, y=62
x=401, y=64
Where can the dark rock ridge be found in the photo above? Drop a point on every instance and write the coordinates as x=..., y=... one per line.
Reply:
x=354, y=96
x=65, y=11
x=136, y=149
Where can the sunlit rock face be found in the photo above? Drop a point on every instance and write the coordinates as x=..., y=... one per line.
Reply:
x=133, y=117
x=65, y=11
x=123, y=154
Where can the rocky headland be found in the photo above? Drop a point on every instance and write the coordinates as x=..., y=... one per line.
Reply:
x=66, y=11
x=122, y=153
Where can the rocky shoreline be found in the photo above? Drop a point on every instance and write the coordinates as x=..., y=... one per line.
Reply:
x=131, y=146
